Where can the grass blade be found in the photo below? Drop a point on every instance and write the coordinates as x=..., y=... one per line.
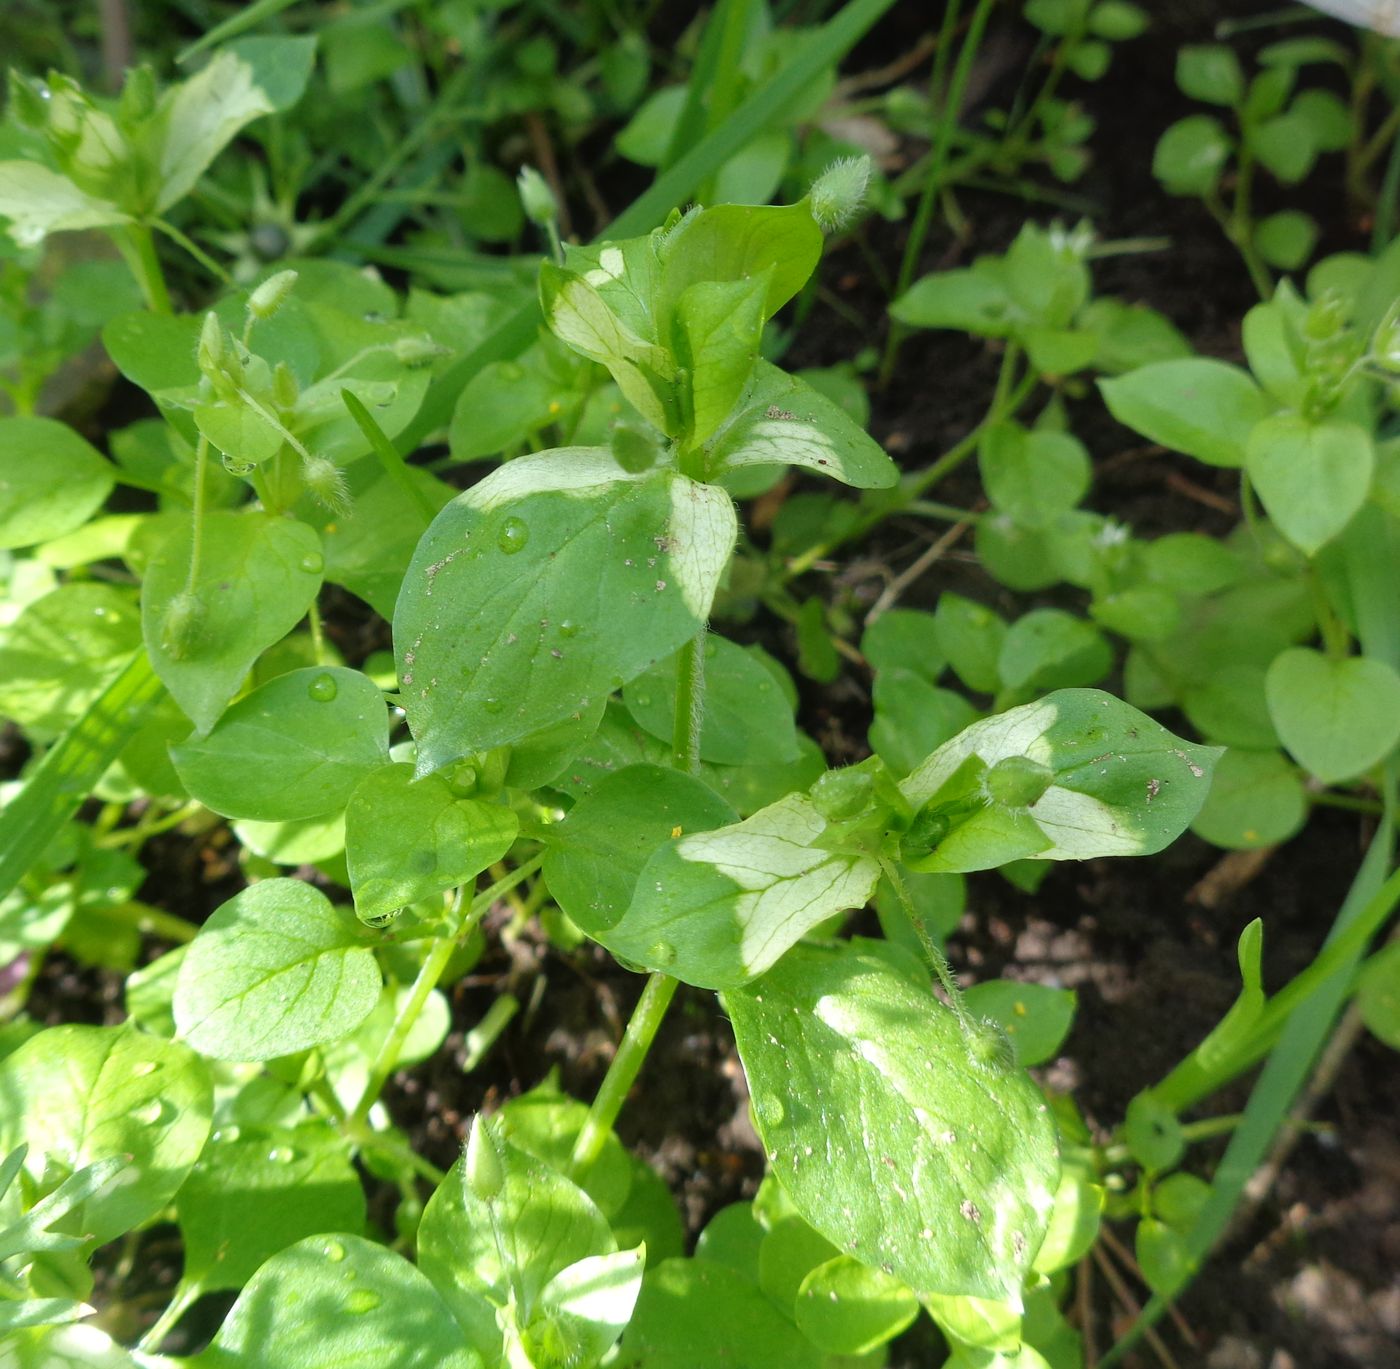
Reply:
x=66, y=776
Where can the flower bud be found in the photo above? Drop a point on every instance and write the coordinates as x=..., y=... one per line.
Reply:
x=182, y=625
x=417, y=351
x=269, y=297
x=990, y=1046
x=285, y=390
x=210, y=354
x=482, y=1170
x=325, y=483
x=536, y=197
x=839, y=192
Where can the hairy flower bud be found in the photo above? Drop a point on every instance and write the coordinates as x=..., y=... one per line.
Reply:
x=482, y=1170
x=326, y=484
x=417, y=351
x=839, y=192
x=269, y=297
x=536, y=197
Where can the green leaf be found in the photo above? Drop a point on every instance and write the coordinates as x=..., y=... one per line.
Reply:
x=242, y=434
x=1048, y=648
x=594, y=858
x=51, y=481
x=1152, y=1133
x=714, y=909
x=63, y=649
x=1191, y=154
x=1284, y=144
x=1257, y=799
x=906, y=638
x=551, y=1225
x=200, y=117
x=1163, y=1255
x=703, y=1312
x=1036, y=1017
x=1286, y=239
x=281, y=64
x=38, y=202
x=747, y=720
x=782, y=419
x=77, y=1095
x=579, y=316
x=891, y=1139
x=847, y=1308
x=1337, y=718
x=274, y=970
x=333, y=1301
x=408, y=839
x=1203, y=408
x=1311, y=477
x=1122, y=784
x=257, y=575
x=1378, y=995
x=368, y=549
x=553, y=581
x=584, y=1308
x=1210, y=72
x=1034, y=476
x=971, y=637
x=735, y=242
x=968, y=301
x=913, y=717
x=254, y=1193
x=718, y=327
x=294, y=748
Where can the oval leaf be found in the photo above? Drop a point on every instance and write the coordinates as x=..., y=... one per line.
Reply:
x=717, y=908
x=406, y=839
x=554, y=580
x=294, y=748
x=886, y=1134
x=1337, y=718
x=76, y=1095
x=274, y=970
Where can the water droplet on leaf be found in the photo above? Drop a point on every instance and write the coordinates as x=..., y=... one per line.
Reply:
x=322, y=689
x=313, y=563
x=513, y=536
x=335, y=1251
x=662, y=953
x=362, y=1300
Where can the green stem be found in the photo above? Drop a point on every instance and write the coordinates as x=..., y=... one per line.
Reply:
x=195, y=250
x=386, y=1062
x=936, y=959
x=622, y=1073
x=1241, y=225
x=318, y=636
x=153, y=921
x=690, y=704
x=201, y=461
x=1335, y=637
x=184, y=1295
x=138, y=248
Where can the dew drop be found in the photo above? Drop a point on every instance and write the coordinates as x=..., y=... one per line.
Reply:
x=770, y=1109
x=662, y=953
x=568, y=628
x=144, y=1067
x=513, y=536
x=335, y=1252
x=362, y=1300
x=150, y=1113
x=313, y=563
x=322, y=689
x=281, y=1155
x=492, y=705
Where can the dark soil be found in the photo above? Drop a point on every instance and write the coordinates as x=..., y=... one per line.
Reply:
x=1309, y=1280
